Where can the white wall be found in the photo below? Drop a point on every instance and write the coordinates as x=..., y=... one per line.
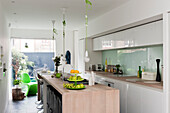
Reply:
x=69, y=43
x=5, y=42
x=31, y=33
x=95, y=57
x=76, y=49
x=130, y=12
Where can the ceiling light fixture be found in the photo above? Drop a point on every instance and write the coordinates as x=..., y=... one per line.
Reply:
x=13, y=1
x=26, y=45
x=54, y=30
x=86, y=58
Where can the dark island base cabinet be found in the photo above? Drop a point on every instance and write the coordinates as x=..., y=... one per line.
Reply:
x=54, y=100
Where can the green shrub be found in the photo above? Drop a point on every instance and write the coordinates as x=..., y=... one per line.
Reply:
x=17, y=82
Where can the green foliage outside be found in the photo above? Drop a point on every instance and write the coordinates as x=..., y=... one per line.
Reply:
x=22, y=60
x=17, y=82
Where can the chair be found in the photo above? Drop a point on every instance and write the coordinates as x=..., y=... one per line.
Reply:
x=28, y=87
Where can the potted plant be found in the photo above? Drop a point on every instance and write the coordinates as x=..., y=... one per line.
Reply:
x=16, y=83
x=57, y=63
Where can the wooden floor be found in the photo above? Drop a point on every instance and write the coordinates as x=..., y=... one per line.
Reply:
x=24, y=106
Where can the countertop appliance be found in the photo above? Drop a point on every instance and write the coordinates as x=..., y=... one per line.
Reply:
x=99, y=67
x=96, y=67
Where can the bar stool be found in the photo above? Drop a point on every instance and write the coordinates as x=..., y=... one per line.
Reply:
x=40, y=103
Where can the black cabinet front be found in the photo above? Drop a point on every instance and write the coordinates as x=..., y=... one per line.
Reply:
x=54, y=100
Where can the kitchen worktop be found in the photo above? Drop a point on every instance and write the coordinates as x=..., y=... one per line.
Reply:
x=130, y=79
x=94, y=99
x=57, y=83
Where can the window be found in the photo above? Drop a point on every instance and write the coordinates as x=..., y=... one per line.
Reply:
x=34, y=45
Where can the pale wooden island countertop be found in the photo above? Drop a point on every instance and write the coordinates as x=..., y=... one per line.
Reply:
x=94, y=99
x=124, y=78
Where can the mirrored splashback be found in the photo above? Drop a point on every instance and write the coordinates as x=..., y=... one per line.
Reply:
x=131, y=59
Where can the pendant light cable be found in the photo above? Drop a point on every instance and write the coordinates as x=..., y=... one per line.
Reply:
x=64, y=24
x=53, y=37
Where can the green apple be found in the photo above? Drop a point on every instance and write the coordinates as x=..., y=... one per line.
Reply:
x=79, y=78
x=81, y=85
x=74, y=78
x=70, y=78
x=58, y=75
x=78, y=86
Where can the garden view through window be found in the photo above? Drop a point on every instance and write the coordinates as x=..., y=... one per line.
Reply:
x=32, y=54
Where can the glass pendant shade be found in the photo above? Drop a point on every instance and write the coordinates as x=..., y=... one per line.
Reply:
x=86, y=59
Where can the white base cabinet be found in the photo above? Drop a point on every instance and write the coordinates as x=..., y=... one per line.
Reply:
x=152, y=101
x=123, y=95
x=137, y=98
x=134, y=99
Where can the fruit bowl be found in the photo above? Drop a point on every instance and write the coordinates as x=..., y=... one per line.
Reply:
x=75, y=80
x=76, y=88
x=74, y=73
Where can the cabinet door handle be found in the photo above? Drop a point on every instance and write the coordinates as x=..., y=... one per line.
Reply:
x=109, y=85
x=51, y=111
x=109, y=82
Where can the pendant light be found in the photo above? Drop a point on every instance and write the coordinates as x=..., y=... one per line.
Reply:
x=54, y=30
x=26, y=45
x=86, y=59
x=53, y=37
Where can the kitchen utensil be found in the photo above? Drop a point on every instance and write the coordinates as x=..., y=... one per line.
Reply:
x=158, y=76
x=93, y=67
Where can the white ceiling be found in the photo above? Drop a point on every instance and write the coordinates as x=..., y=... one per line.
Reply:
x=37, y=14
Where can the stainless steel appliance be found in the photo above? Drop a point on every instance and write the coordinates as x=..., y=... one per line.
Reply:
x=99, y=67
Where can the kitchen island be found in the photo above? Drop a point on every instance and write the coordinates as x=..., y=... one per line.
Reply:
x=94, y=99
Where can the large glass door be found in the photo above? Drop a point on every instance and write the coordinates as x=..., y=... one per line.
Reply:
x=33, y=53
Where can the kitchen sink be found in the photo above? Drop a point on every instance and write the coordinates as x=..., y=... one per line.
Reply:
x=134, y=79
x=151, y=82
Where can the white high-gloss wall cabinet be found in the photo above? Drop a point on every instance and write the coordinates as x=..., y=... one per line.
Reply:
x=144, y=35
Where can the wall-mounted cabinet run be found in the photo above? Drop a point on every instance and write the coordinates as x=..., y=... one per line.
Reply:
x=142, y=35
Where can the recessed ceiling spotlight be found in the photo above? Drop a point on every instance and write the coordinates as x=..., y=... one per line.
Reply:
x=13, y=1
